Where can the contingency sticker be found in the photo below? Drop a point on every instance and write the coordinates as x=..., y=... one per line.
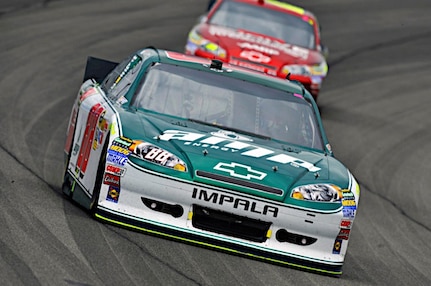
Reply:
x=113, y=194
x=337, y=246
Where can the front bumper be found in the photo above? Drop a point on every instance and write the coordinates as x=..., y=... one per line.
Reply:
x=224, y=220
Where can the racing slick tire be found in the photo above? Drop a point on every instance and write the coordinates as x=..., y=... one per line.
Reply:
x=99, y=177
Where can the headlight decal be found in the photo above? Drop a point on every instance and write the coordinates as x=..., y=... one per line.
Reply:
x=320, y=69
x=315, y=70
x=297, y=70
x=317, y=193
x=206, y=45
x=195, y=38
x=151, y=153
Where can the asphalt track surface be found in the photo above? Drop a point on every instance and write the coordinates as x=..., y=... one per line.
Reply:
x=375, y=105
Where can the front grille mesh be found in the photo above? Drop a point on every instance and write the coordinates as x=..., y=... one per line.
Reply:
x=230, y=224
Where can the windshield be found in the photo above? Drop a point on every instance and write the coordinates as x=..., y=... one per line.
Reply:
x=281, y=25
x=228, y=103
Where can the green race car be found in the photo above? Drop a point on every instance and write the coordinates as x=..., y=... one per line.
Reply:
x=209, y=154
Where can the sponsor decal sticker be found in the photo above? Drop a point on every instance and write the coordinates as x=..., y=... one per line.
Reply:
x=262, y=49
x=115, y=170
x=123, y=141
x=113, y=194
x=286, y=48
x=348, y=202
x=120, y=149
x=116, y=158
x=101, y=129
x=349, y=212
x=130, y=67
x=337, y=246
x=254, y=56
x=346, y=223
x=233, y=146
x=111, y=180
x=344, y=234
x=347, y=195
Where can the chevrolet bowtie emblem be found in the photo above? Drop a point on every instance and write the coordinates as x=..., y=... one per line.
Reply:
x=240, y=171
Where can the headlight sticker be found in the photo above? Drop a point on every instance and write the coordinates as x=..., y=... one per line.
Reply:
x=318, y=193
x=159, y=156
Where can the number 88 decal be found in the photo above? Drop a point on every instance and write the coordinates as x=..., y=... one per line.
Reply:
x=154, y=154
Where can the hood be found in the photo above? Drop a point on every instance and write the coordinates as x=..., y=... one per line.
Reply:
x=259, y=49
x=223, y=158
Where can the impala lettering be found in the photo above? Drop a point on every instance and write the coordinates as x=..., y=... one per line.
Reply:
x=236, y=203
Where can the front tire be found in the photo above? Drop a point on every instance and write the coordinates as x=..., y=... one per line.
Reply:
x=99, y=177
x=66, y=186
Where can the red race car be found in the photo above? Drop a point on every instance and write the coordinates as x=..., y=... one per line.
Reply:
x=269, y=36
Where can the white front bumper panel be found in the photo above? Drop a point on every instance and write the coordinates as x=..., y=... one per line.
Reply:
x=147, y=197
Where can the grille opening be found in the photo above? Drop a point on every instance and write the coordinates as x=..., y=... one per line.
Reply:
x=230, y=224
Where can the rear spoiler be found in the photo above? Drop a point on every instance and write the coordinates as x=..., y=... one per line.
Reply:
x=98, y=69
